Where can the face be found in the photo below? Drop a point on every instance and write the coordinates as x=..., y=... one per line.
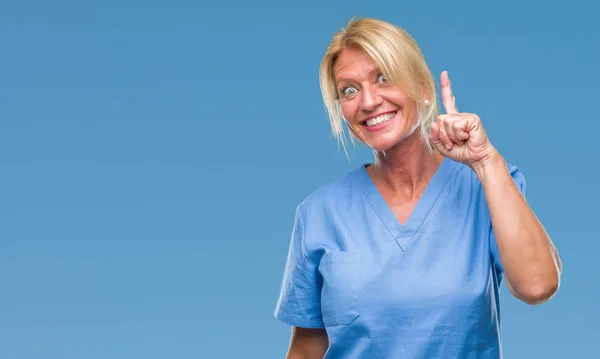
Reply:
x=377, y=113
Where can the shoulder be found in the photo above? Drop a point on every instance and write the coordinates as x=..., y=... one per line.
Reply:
x=466, y=173
x=517, y=176
x=335, y=193
x=335, y=189
x=468, y=177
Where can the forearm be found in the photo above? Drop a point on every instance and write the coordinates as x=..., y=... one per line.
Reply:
x=303, y=355
x=530, y=260
x=307, y=343
x=314, y=351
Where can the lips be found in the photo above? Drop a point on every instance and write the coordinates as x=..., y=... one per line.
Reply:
x=377, y=120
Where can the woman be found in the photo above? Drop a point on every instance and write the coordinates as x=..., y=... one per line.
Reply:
x=404, y=257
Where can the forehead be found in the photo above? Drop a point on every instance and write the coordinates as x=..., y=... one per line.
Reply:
x=353, y=64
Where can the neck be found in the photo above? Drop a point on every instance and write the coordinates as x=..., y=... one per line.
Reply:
x=406, y=168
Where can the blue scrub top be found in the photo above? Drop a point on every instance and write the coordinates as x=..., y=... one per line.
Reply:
x=424, y=289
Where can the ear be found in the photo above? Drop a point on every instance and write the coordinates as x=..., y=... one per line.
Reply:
x=425, y=95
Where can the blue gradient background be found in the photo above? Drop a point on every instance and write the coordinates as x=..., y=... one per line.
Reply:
x=152, y=155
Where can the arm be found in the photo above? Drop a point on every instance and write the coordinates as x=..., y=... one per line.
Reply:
x=531, y=263
x=307, y=343
x=529, y=259
x=299, y=303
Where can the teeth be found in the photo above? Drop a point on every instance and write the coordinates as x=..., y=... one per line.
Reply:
x=380, y=119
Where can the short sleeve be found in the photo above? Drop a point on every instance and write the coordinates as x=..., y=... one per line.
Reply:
x=299, y=302
x=519, y=180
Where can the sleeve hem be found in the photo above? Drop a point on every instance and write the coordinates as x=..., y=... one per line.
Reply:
x=298, y=322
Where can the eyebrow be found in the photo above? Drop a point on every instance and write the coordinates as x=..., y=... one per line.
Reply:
x=342, y=80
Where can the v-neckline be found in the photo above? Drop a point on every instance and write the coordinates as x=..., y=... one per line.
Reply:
x=403, y=233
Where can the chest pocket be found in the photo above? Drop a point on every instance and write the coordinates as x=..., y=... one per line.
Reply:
x=341, y=287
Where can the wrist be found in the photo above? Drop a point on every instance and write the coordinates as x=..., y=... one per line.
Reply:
x=489, y=165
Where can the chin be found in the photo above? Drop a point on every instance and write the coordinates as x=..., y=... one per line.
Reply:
x=385, y=142
x=381, y=146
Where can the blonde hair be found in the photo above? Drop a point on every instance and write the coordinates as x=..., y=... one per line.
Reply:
x=398, y=57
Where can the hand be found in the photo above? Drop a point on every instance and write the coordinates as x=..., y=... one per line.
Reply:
x=460, y=136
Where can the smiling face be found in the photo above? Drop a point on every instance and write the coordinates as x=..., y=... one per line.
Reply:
x=378, y=113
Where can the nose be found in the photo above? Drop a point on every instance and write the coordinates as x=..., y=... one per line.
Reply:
x=370, y=99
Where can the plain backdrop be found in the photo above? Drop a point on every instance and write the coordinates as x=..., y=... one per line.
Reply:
x=152, y=155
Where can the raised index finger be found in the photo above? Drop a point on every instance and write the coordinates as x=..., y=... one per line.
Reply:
x=447, y=96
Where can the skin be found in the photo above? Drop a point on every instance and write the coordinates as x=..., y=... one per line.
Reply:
x=531, y=262
x=403, y=168
x=308, y=343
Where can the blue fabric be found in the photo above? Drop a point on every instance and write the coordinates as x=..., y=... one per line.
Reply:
x=425, y=289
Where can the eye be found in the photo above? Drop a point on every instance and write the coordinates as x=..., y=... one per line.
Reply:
x=381, y=79
x=349, y=91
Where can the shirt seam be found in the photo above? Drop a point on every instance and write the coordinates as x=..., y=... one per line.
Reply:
x=304, y=239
